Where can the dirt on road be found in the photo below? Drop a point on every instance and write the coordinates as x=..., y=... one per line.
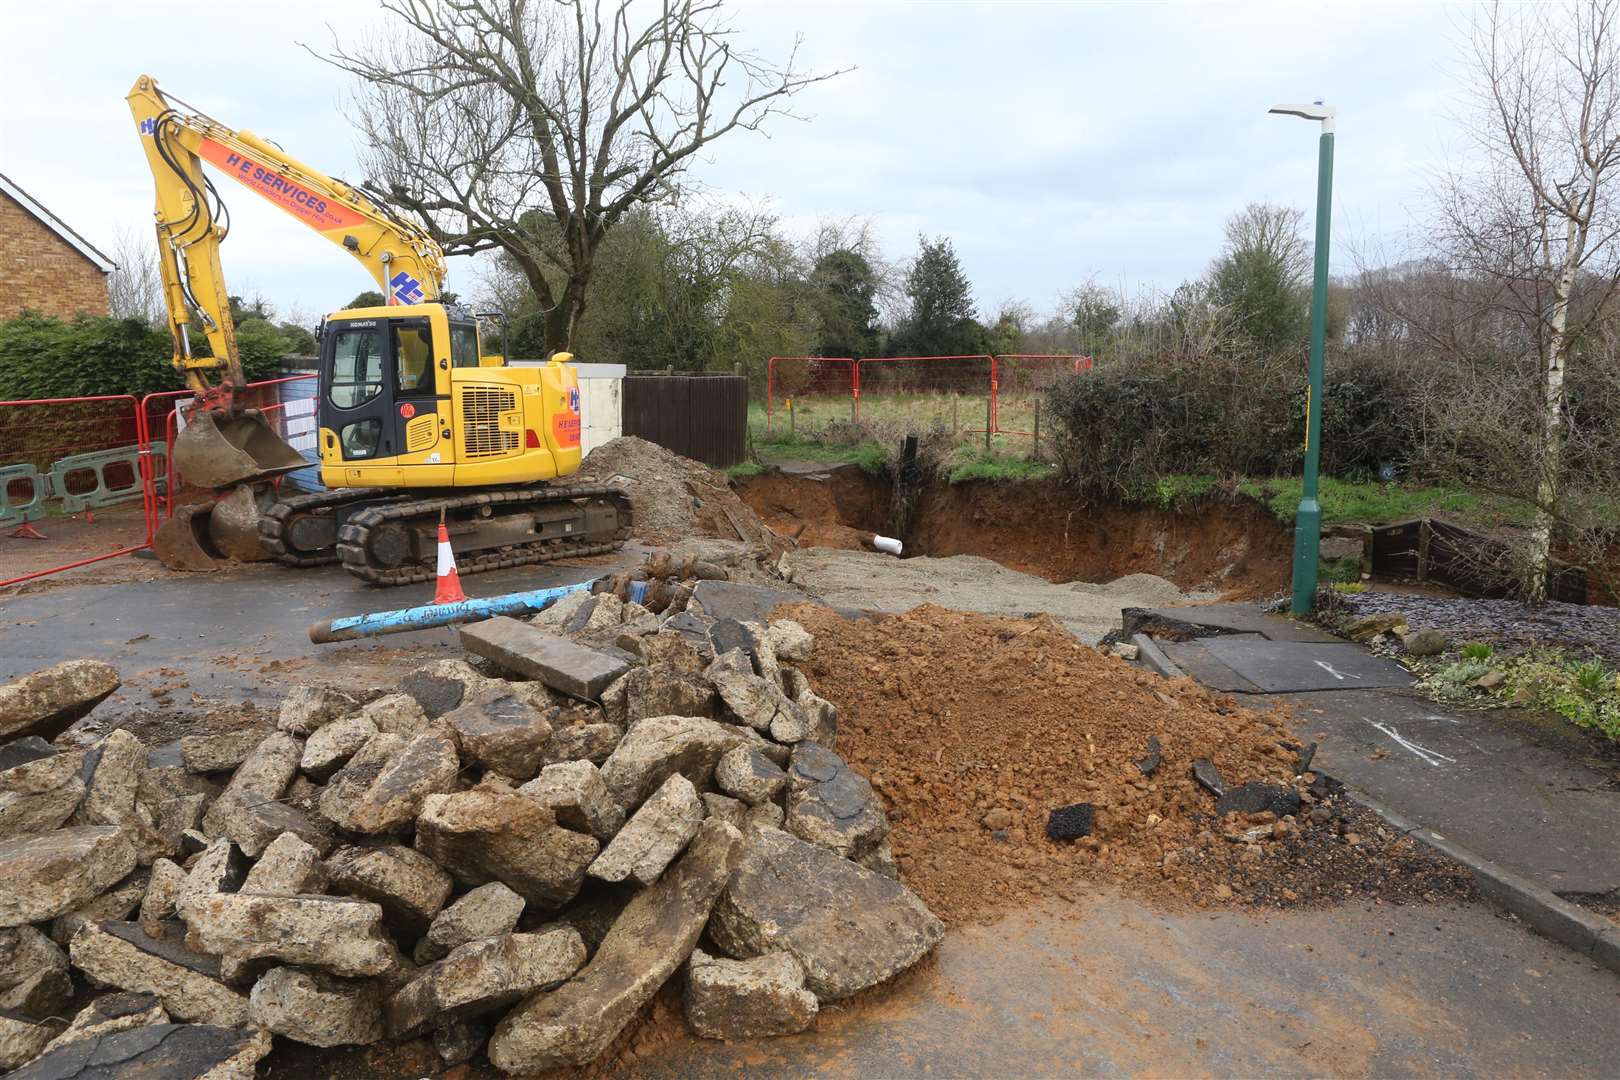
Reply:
x=974, y=729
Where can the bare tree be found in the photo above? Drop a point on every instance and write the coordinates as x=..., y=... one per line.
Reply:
x=135, y=287
x=1524, y=259
x=533, y=126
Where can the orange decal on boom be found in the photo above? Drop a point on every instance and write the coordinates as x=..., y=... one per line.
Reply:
x=315, y=210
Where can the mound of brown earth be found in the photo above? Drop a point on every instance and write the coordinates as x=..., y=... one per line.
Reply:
x=673, y=497
x=974, y=728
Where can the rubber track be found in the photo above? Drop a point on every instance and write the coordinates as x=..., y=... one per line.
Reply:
x=273, y=525
x=353, y=537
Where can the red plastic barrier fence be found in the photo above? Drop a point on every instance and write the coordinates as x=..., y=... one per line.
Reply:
x=75, y=484
x=85, y=479
x=952, y=391
x=790, y=377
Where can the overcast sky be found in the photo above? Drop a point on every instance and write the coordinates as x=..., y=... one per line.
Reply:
x=1053, y=142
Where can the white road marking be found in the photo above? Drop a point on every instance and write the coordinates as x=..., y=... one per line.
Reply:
x=1430, y=757
x=1447, y=719
x=1340, y=675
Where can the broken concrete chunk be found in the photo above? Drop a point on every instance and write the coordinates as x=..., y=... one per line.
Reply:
x=660, y=746
x=832, y=805
x=118, y=902
x=1155, y=754
x=1071, y=822
x=790, y=641
x=111, y=1013
x=40, y=794
x=344, y=937
x=731, y=811
x=262, y=778
x=328, y=748
x=410, y=886
x=848, y=927
x=562, y=665
x=671, y=649
x=790, y=724
x=666, y=691
x=749, y=698
x=653, y=836
x=254, y=824
x=655, y=934
x=504, y=734
x=396, y=714
x=591, y=742
x=556, y=618
x=46, y=702
x=218, y=753
x=49, y=874
x=821, y=718
x=747, y=999
x=487, y=911
x=34, y=977
x=112, y=773
x=220, y=868
x=458, y=1041
x=121, y=954
x=1256, y=797
x=289, y=866
x=317, y=1009
x=162, y=896
x=306, y=709
x=881, y=860
x=171, y=1051
x=747, y=774
x=484, y=976
x=574, y=793
x=22, y=751
x=385, y=784
x=494, y=834
x=21, y=1039
x=1209, y=777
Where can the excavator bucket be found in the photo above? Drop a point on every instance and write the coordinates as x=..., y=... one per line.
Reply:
x=234, y=525
x=217, y=450
x=183, y=543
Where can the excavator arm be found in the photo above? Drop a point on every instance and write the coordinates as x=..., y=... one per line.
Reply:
x=403, y=259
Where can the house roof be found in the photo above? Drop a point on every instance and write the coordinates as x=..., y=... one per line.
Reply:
x=56, y=225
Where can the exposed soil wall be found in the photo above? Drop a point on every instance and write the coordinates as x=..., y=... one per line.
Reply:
x=1038, y=527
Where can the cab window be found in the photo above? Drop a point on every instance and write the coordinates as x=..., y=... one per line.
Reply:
x=413, y=354
x=357, y=366
x=463, y=345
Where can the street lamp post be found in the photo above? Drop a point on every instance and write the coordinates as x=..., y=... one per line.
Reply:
x=1308, y=518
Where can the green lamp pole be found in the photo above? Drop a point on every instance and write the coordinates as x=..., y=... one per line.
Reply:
x=1308, y=518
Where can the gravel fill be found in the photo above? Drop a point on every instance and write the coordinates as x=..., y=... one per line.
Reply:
x=1510, y=623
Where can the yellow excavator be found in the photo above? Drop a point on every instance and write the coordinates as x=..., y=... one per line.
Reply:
x=416, y=417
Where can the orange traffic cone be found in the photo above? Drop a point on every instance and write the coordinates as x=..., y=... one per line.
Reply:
x=448, y=589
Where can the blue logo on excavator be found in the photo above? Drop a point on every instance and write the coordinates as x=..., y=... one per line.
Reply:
x=148, y=126
x=407, y=290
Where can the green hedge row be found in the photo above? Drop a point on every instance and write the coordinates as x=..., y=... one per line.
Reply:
x=44, y=357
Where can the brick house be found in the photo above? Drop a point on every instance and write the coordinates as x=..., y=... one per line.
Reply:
x=44, y=265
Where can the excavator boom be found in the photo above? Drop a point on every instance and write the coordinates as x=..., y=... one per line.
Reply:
x=221, y=444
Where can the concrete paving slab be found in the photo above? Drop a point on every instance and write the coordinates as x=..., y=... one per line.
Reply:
x=1195, y=659
x=1289, y=666
x=1535, y=809
x=1208, y=620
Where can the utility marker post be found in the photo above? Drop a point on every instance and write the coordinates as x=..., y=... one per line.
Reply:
x=1308, y=518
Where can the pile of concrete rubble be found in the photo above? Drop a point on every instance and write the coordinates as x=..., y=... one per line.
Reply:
x=512, y=855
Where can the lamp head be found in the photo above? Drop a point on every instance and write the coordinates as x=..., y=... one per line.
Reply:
x=1314, y=111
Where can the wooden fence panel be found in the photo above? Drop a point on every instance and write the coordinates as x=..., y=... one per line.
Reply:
x=703, y=417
